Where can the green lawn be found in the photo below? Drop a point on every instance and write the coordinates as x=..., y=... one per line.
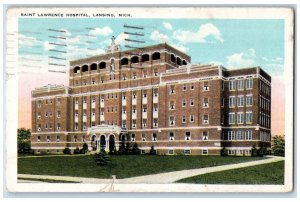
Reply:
x=271, y=173
x=121, y=166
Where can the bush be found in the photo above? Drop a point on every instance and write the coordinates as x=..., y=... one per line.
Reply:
x=253, y=151
x=67, y=150
x=135, y=149
x=152, y=151
x=77, y=151
x=224, y=152
x=84, y=149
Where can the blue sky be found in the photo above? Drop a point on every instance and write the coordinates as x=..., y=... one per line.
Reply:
x=230, y=42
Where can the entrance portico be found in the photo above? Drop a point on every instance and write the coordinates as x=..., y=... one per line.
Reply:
x=104, y=137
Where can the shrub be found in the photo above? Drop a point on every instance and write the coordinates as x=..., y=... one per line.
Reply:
x=84, y=149
x=224, y=152
x=67, y=150
x=135, y=149
x=77, y=151
x=152, y=151
x=253, y=151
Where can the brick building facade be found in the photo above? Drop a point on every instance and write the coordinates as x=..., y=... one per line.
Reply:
x=154, y=96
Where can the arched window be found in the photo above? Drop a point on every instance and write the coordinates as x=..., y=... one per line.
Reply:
x=102, y=65
x=124, y=61
x=178, y=61
x=172, y=58
x=93, y=66
x=184, y=62
x=145, y=58
x=85, y=68
x=156, y=56
x=77, y=69
x=135, y=59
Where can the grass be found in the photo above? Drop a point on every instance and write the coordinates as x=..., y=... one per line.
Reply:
x=271, y=173
x=122, y=166
x=47, y=180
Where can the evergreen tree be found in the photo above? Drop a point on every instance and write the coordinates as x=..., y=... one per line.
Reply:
x=24, y=144
x=278, y=145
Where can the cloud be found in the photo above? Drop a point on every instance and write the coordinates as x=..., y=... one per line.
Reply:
x=180, y=47
x=204, y=31
x=243, y=59
x=167, y=25
x=159, y=37
x=104, y=31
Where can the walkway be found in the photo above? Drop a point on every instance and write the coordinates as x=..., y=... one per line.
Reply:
x=161, y=178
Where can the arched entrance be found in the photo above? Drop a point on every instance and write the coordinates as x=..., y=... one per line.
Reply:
x=94, y=142
x=111, y=143
x=102, y=142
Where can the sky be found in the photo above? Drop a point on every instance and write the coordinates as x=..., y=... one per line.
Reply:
x=48, y=44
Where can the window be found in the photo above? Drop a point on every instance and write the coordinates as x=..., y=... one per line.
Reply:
x=184, y=87
x=143, y=137
x=48, y=138
x=231, y=118
x=183, y=119
x=133, y=110
x=171, y=151
x=204, y=151
x=123, y=124
x=187, y=135
x=133, y=95
x=205, y=102
x=144, y=123
x=249, y=117
x=154, y=137
x=192, y=103
x=75, y=138
x=172, y=105
x=144, y=109
x=205, y=86
x=186, y=151
x=248, y=135
x=183, y=103
x=50, y=113
x=172, y=90
x=145, y=94
x=38, y=138
x=76, y=100
x=231, y=101
x=239, y=135
x=240, y=101
x=145, y=74
x=172, y=121
x=58, y=114
x=223, y=85
x=205, y=135
x=155, y=122
x=58, y=126
x=249, y=100
x=84, y=126
x=93, y=99
x=134, y=75
x=39, y=127
x=83, y=138
x=192, y=86
x=46, y=114
x=76, y=126
x=155, y=94
x=84, y=113
x=205, y=119
x=132, y=137
x=249, y=83
x=39, y=103
x=232, y=85
x=39, y=115
x=133, y=123
x=84, y=99
x=155, y=72
x=192, y=118
x=46, y=126
x=155, y=108
x=46, y=101
x=240, y=84
x=171, y=136
x=50, y=125
x=231, y=135
x=240, y=117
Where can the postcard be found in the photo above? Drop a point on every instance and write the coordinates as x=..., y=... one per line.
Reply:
x=149, y=99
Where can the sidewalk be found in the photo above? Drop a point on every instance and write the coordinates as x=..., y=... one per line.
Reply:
x=161, y=178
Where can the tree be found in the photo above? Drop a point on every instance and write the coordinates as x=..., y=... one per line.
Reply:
x=67, y=150
x=152, y=151
x=278, y=145
x=24, y=144
x=135, y=149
